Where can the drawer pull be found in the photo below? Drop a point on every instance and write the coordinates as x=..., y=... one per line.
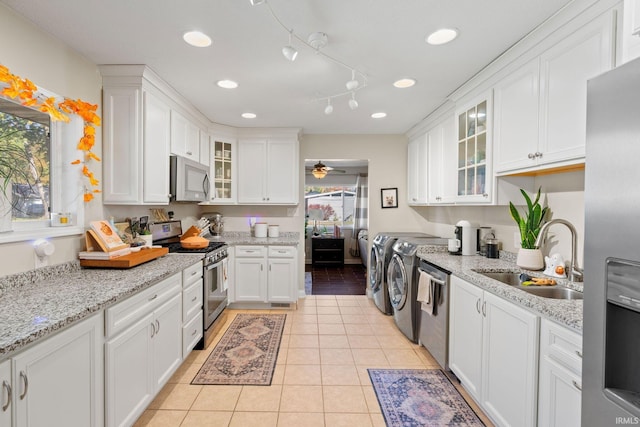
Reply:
x=25, y=381
x=576, y=385
x=193, y=273
x=484, y=309
x=153, y=330
x=195, y=331
x=478, y=305
x=194, y=299
x=579, y=353
x=158, y=323
x=153, y=297
x=7, y=387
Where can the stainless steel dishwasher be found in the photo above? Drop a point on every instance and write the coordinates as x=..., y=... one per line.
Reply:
x=434, y=323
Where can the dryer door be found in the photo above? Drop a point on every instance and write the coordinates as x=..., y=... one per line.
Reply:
x=397, y=282
x=376, y=269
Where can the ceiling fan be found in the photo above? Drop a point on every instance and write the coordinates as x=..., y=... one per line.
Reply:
x=320, y=170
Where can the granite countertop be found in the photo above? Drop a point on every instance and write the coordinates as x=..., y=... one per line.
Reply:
x=39, y=302
x=234, y=238
x=564, y=312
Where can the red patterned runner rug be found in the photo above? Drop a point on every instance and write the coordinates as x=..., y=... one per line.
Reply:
x=246, y=354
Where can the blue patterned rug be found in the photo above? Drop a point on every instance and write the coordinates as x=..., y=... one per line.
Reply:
x=247, y=352
x=420, y=397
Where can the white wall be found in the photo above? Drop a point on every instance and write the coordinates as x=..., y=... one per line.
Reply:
x=33, y=54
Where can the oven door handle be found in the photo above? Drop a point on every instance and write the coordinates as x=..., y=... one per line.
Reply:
x=214, y=265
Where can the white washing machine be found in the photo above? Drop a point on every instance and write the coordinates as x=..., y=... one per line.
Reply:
x=381, y=251
x=402, y=281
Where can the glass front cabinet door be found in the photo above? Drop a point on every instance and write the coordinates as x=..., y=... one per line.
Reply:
x=474, y=151
x=223, y=172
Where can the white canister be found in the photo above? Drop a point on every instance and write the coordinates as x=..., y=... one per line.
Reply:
x=260, y=229
x=274, y=231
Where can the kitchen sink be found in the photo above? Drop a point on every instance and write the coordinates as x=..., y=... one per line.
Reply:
x=513, y=278
x=553, y=292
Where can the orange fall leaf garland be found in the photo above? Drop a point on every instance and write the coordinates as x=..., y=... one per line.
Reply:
x=26, y=91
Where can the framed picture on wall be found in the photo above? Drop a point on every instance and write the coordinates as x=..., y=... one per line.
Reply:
x=389, y=197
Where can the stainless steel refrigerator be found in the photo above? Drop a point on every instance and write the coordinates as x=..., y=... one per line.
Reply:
x=611, y=335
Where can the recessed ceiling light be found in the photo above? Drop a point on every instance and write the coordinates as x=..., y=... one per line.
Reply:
x=442, y=36
x=379, y=115
x=197, y=39
x=249, y=115
x=404, y=83
x=227, y=84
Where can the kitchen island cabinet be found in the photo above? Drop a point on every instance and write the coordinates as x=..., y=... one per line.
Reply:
x=494, y=351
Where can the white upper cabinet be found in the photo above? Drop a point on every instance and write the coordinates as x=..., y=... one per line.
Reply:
x=417, y=171
x=565, y=69
x=268, y=171
x=516, y=104
x=441, y=161
x=474, y=150
x=205, y=148
x=223, y=170
x=135, y=139
x=185, y=137
x=631, y=30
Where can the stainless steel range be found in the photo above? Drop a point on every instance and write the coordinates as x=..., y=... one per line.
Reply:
x=214, y=272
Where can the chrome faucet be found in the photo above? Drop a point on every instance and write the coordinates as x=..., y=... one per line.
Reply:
x=575, y=273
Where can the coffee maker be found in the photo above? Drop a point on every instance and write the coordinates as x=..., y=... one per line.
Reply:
x=467, y=234
x=216, y=224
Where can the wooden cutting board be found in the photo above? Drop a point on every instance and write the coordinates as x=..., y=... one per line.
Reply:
x=126, y=261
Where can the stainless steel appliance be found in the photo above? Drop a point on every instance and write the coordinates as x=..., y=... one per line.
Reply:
x=467, y=234
x=433, y=333
x=216, y=223
x=611, y=338
x=381, y=252
x=402, y=280
x=214, y=272
x=188, y=180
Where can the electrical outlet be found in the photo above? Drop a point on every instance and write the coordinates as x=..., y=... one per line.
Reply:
x=41, y=261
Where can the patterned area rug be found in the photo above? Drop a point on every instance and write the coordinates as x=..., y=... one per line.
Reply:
x=246, y=354
x=420, y=397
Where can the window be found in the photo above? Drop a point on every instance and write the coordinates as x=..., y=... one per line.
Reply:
x=329, y=207
x=25, y=162
x=35, y=173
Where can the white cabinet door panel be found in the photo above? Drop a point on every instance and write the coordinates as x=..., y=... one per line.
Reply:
x=157, y=133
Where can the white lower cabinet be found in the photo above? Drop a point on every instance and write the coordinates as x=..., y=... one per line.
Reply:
x=57, y=382
x=560, y=377
x=493, y=349
x=264, y=274
x=143, y=349
x=192, y=299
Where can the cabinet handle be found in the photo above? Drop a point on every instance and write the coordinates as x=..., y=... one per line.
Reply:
x=261, y=267
x=194, y=299
x=538, y=154
x=153, y=329
x=7, y=387
x=194, y=332
x=193, y=273
x=153, y=297
x=25, y=381
x=478, y=305
x=158, y=323
x=189, y=153
x=579, y=353
x=576, y=385
x=531, y=156
x=484, y=309
x=485, y=195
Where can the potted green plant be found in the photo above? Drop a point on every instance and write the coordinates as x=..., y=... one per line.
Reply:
x=529, y=225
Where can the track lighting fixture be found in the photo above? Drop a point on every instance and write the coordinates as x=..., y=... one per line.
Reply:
x=317, y=41
x=353, y=83
x=353, y=104
x=329, y=108
x=289, y=51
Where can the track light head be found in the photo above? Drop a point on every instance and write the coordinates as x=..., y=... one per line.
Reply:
x=353, y=104
x=256, y=2
x=290, y=53
x=329, y=108
x=353, y=83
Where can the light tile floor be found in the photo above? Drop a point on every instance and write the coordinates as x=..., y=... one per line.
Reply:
x=320, y=379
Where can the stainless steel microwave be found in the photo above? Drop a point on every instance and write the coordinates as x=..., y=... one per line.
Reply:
x=188, y=180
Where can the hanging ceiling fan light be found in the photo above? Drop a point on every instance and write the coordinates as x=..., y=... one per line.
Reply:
x=319, y=170
x=289, y=51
